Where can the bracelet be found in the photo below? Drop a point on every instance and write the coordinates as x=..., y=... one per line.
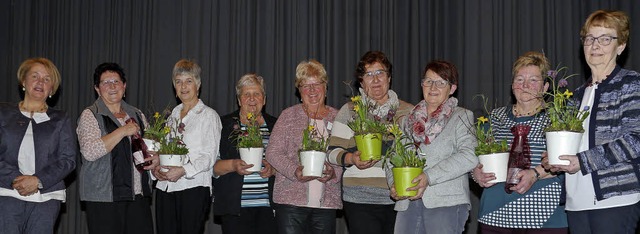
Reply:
x=473, y=177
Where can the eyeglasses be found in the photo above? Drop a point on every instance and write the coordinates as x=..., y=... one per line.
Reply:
x=438, y=83
x=376, y=73
x=520, y=80
x=308, y=87
x=603, y=40
x=106, y=83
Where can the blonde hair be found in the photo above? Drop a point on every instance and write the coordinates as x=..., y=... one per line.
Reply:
x=531, y=58
x=48, y=65
x=188, y=68
x=308, y=69
x=617, y=20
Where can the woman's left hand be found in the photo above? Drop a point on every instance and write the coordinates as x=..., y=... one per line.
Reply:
x=327, y=173
x=25, y=184
x=527, y=178
x=423, y=182
x=572, y=168
x=268, y=170
x=172, y=173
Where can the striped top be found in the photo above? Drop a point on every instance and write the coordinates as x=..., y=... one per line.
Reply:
x=255, y=189
x=502, y=119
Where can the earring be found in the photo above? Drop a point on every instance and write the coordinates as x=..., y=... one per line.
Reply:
x=23, y=89
x=124, y=94
x=49, y=96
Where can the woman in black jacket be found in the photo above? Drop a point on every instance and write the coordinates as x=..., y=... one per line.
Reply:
x=242, y=198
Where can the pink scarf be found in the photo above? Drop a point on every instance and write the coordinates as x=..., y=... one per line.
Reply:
x=424, y=128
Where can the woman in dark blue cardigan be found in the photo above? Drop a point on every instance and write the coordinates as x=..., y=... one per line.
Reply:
x=37, y=151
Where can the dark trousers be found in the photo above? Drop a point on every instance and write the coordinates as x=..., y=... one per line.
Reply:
x=132, y=217
x=369, y=218
x=297, y=220
x=611, y=220
x=182, y=211
x=18, y=216
x=487, y=229
x=251, y=220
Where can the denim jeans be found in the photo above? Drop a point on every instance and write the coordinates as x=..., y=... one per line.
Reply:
x=295, y=220
x=419, y=219
x=611, y=220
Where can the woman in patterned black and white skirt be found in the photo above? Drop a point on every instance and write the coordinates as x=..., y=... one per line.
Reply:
x=534, y=204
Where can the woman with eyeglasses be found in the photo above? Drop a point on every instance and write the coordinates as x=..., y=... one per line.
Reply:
x=502, y=212
x=602, y=180
x=438, y=127
x=365, y=193
x=305, y=204
x=116, y=194
x=37, y=152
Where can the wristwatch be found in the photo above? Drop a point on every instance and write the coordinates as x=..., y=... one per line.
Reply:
x=40, y=184
x=537, y=173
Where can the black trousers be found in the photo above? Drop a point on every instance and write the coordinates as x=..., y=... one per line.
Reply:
x=132, y=217
x=182, y=211
x=250, y=221
x=369, y=218
x=296, y=220
x=622, y=219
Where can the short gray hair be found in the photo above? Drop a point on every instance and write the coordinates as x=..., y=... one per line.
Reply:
x=248, y=80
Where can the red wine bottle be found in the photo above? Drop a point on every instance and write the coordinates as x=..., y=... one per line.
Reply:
x=519, y=155
x=138, y=145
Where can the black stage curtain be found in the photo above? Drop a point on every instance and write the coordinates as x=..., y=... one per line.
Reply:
x=229, y=38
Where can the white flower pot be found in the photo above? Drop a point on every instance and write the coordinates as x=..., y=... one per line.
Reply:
x=562, y=143
x=313, y=162
x=252, y=156
x=497, y=163
x=151, y=145
x=172, y=160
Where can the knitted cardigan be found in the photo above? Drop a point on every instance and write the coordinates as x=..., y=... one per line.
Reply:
x=614, y=135
x=282, y=153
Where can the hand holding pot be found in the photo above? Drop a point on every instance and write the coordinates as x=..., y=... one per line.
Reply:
x=572, y=168
x=423, y=182
x=483, y=178
x=302, y=178
x=327, y=174
x=240, y=166
x=268, y=170
x=154, y=159
x=172, y=173
x=355, y=160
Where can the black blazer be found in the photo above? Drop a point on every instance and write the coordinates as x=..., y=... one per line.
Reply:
x=227, y=189
x=54, y=142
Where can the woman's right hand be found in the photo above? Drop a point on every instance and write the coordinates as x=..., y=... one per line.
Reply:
x=129, y=129
x=302, y=178
x=240, y=166
x=354, y=159
x=482, y=178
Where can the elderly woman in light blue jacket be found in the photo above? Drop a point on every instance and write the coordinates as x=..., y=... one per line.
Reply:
x=439, y=128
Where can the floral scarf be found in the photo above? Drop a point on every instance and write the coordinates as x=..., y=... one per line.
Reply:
x=385, y=112
x=424, y=128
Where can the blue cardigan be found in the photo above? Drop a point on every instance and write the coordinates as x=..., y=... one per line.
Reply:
x=54, y=143
x=613, y=158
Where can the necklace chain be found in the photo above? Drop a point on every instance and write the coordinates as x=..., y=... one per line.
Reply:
x=518, y=114
x=320, y=113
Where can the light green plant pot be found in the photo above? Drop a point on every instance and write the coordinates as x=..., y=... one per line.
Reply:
x=370, y=146
x=402, y=177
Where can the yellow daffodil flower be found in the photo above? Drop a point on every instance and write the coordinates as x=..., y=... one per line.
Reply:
x=250, y=116
x=568, y=93
x=310, y=128
x=482, y=119
x=156, y=115
x=356, y=98
x=356, y=108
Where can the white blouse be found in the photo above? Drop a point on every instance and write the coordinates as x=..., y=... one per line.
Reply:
x=202, y=136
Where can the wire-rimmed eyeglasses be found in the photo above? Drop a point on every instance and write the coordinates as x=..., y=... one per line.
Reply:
x=438, y=83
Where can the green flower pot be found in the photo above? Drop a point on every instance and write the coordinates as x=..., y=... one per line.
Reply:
x=402, y=177
x=370, y=146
